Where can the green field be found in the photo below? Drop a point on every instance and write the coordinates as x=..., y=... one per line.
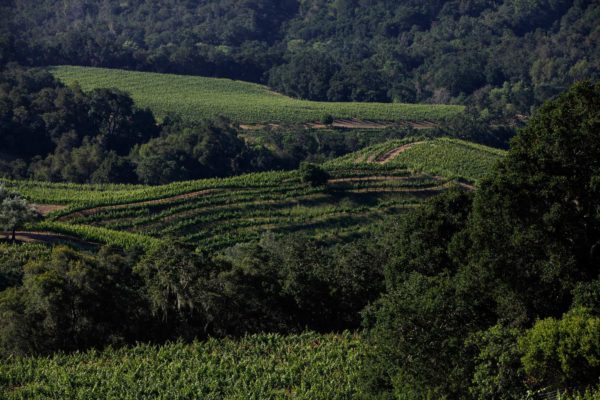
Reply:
x=307, y=366
x=196, y=98
x=217, y=213
x=450, y=158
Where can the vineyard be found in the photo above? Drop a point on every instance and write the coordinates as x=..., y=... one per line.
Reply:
x=217, y=213
x=307, y=366
x=196, y=98
x=450, y=158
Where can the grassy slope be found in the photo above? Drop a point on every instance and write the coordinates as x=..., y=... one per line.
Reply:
x=307, y=366
x=198, y=98
x=240, y=209
x=450, y=158
x=217, y=213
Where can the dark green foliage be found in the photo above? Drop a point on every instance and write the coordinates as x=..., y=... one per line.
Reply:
x=205, y=151
x=293, y=283
x=535, y=229
x=313, y=174
x=71, y=301
x=502, y=56
x=327, y=119
x=464, y=283
x=122, y=126
x=419, y=325
x=420, y=241
x=57, y=133
x=307, y=75
x=418, y=334
x=183, y=293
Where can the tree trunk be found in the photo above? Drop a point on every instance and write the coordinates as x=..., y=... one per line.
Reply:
x=14, y=236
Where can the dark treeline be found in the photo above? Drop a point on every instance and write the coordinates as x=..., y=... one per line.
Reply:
x=55, y=133
x=69, y=300
x=501, y=56
x=476, y=294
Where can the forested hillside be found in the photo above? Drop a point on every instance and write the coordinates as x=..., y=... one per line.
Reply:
x=502, y=56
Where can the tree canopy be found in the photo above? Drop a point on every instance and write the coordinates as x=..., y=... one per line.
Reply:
x=503, y=56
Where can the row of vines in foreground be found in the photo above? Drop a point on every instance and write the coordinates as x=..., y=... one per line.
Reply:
x=266, y=366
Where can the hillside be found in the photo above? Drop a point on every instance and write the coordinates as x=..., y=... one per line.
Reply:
x=300, y=199
x=446, y=157
x=505, y=56
x=217, y=213
x=197, y=98
x=307, y=366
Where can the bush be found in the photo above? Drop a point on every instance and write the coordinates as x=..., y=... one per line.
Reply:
x=313, y=174
x=327, y=119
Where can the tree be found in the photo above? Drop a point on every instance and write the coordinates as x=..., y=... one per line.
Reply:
x=14, y=211
x=498, y=372
x=535, y=226
x=563, y=353
x=72, y=301
x=178, y=286
x=419, y=324
x=120, y=124
x=417, y=339
x=313, y=174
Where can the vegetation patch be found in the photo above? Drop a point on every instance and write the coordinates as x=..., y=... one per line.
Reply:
x=196, y=98
x=266, y=366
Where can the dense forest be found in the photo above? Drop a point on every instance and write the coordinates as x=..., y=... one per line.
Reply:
x=501, y=56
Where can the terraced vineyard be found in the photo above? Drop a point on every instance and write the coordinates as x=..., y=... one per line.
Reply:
x=196, y=98
x=217, y=213
x=219, y=216
x=307, y=366
x=450, y=158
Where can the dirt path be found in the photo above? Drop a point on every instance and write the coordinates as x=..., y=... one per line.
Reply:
x=418, y=191
x=90, y=211
x=374, y=178
x=350, y=123
x=390, y=155
x=43, y=237
x=46, y=209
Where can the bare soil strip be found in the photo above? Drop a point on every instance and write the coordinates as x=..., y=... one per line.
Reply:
x=376, y=178
x=390, y=155
x=350, y=123
x=46, y=209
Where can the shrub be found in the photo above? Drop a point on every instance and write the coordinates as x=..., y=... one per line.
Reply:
x=313, y=175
